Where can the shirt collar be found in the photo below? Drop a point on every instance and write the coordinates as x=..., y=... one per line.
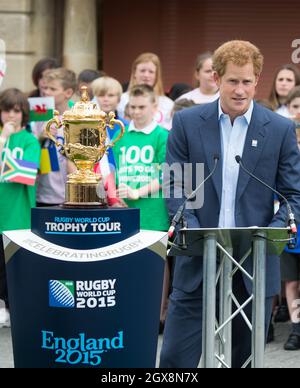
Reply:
x=147, y=130
x=246, y=115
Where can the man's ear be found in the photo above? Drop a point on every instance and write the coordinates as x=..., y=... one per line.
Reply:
x=217, y=79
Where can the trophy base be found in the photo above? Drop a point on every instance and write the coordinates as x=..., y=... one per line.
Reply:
x=75, y=205
x=85, y=196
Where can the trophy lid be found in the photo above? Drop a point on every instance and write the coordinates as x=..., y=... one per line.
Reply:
x=84, y=110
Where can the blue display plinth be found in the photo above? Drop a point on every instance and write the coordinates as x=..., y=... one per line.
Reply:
x=85, y=289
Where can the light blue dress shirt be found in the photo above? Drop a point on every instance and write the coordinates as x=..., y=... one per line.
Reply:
x=233, y=141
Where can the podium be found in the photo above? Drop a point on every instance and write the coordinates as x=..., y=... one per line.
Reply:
x=85, y=289
x=219, y=266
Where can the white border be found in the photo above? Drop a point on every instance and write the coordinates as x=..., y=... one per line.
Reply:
x=35, y=244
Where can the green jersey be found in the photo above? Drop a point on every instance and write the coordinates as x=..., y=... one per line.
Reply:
x=17, y=199
x=139, y=157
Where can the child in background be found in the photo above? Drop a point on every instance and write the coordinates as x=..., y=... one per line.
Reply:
x=293, y=104
x=86, y=78
x=290, y=258
x=37, y=75
x=126, y=113
x=286, y=78
x=60, y=84
x=38, y=71
x=207, y=89
x=139, y=155
x=182, y=104
x=19, y=162
x=147, y=70
x=107, y=92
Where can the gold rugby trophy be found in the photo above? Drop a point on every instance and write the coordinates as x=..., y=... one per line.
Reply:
x=85, y=143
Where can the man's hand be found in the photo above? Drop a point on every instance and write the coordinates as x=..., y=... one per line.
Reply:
x=125, y=191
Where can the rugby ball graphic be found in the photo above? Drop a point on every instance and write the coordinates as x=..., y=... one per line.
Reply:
x=60, y=295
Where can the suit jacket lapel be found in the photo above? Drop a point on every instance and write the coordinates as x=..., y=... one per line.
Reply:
x=254, y=144
x=211, y=142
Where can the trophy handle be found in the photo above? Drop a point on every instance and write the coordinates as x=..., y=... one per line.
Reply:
x=58, y=124
x=111, y=124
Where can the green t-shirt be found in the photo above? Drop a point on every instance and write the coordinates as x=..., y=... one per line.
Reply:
x=139, y=158
x=17, y=199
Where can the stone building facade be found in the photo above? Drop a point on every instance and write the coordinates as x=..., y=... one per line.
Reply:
x=33, y=29
x=110, y=34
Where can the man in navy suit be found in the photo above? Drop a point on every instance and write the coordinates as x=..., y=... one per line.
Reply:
x=233, y=125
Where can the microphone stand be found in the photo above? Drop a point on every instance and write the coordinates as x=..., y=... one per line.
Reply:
x=292, y=227
x=182, y=235
x=179, y=214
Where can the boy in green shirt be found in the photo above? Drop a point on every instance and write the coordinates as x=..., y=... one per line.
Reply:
x=139, y=156
x=19, y=162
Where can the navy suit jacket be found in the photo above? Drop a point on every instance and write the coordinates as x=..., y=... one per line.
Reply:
x=195, y=138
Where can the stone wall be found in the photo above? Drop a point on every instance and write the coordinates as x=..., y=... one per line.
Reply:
x=29, y=29
x=15, y=31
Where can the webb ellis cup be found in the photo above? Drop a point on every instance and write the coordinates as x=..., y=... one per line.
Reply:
x=85, y=134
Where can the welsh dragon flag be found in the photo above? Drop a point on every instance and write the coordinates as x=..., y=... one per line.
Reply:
x=41, y=108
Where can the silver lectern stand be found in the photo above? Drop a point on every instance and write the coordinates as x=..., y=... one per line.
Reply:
x=217, y=344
